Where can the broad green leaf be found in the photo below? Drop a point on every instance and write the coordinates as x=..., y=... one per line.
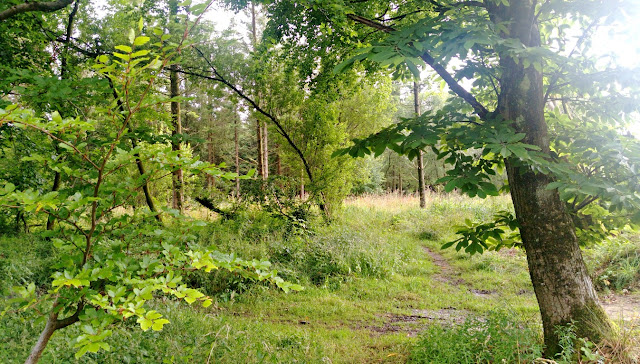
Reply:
x=141, y=40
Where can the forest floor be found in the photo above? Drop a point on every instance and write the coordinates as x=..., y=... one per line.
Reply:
x=374, y=280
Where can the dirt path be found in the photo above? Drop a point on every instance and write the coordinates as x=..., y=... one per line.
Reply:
x=448, y=274
x=623, y=308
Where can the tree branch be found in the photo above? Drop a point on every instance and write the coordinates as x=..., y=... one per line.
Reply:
x=440, y=70
x=36, y=6
x=275, y=121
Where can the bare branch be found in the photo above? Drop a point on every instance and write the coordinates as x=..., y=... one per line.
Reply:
x=275, y=121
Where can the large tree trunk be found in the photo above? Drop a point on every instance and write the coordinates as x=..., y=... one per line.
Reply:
x=421, y=190
x=560, y=279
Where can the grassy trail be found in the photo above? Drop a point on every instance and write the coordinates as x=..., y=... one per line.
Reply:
x=370, y=319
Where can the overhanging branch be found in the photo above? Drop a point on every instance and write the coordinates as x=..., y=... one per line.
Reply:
x=273, y=119
x=440, y=70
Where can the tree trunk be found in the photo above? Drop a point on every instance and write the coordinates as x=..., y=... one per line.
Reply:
x=421, y=187
x=259, y=159
x=278, y=161
x=43, y=340
x=50, y=327
x=177, y=178
x=210, y=158
x=562, y=285
x=237, y=153
x=302, y=184
x=56, y=186
x=265, y=151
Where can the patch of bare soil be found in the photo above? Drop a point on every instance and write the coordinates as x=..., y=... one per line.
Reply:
x=624, y=308
x=448, y=274
x=418, y=320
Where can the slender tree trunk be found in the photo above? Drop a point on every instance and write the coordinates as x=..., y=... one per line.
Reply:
x=177, y=180
x=560, y=279
x=43, y=340
x=177, y=177
x=211, y=159
x=56, y=186
x=302, y=184
x=265, y=151
x=259, y=160
x=421, y=187
x=237, y=153
x=53, y=324
x=278, y=161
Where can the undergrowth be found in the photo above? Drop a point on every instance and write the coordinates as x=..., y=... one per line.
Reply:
x=370, y=264
x=615, y=264
x=497, y=338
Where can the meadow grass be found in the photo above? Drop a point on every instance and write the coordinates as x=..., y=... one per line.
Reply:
x=377, y=289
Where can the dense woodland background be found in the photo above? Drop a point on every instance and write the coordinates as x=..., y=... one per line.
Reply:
x=280, y=190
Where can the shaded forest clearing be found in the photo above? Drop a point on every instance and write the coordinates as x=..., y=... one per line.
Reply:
x=377, y=287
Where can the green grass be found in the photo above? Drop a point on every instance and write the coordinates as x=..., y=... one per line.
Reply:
x=372, y=293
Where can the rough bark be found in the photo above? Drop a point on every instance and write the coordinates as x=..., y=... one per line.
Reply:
x=26, y=7
x=421, y=189
x=560, y=279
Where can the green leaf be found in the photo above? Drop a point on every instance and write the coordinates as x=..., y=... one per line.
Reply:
x=451, y=185
x=124, y=48
x=132, y=35
x=141, y=40
x=412, y=67
x=158, y=324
